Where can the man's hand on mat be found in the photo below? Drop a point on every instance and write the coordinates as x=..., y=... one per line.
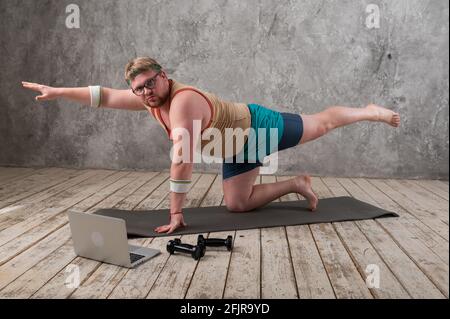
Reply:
x=47, y=92
x=176, y=221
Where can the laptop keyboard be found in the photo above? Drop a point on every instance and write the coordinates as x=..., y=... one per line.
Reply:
x=135, y=257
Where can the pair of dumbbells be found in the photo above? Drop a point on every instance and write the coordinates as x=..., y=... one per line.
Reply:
x=198, y=250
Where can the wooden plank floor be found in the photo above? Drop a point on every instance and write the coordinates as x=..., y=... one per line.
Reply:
x=334, y=260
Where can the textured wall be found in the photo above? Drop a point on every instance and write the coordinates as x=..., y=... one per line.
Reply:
x=293, y=56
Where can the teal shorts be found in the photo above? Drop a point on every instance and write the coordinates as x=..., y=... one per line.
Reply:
x=287, y=130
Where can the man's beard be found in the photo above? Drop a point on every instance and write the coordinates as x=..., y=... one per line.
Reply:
x=157, y=102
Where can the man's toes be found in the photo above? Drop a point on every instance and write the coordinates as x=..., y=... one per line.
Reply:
x=312, y=201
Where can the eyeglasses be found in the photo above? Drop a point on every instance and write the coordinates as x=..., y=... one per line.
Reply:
x=149, y=84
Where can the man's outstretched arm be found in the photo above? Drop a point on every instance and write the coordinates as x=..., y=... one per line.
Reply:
x=109, y=98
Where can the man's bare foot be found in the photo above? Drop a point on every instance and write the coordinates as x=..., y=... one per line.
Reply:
x=381, y=114
x=303, y=187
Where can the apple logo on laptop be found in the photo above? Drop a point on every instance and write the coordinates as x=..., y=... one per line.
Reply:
x=97, y=239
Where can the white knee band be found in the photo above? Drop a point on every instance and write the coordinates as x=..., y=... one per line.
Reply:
x=180, y=186
x=96, y=95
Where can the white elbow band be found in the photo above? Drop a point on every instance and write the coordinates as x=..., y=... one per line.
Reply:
x=96, y=95
x=180, y=186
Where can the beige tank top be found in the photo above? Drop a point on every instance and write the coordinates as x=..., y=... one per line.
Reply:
x=224, y=115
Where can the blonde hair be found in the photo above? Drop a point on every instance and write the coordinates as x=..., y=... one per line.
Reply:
x=140, y=65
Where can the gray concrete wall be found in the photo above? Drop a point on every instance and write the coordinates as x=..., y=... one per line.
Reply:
x=292, y=56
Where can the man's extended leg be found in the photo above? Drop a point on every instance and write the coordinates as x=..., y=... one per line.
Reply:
x=319, y=124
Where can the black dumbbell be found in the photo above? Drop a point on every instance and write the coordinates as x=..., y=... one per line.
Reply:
x=215, y=242
x=175, y=245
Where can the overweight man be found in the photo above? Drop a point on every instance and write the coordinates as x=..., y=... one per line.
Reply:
x=191, y=117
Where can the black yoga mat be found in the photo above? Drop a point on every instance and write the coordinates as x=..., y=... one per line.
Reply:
x=141, y=223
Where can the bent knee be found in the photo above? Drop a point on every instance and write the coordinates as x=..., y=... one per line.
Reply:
x=236, y=206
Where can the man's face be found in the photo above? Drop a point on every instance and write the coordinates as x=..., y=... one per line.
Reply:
x=156, y=96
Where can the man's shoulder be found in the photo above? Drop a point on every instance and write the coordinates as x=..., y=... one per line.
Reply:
x=189, y=104
x=189, y=99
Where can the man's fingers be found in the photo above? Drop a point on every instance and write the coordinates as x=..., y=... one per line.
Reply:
x=169, y=228
x=162, y=229
x=31, y=86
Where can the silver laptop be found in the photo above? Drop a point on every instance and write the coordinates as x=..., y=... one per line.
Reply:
x=105, y=239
